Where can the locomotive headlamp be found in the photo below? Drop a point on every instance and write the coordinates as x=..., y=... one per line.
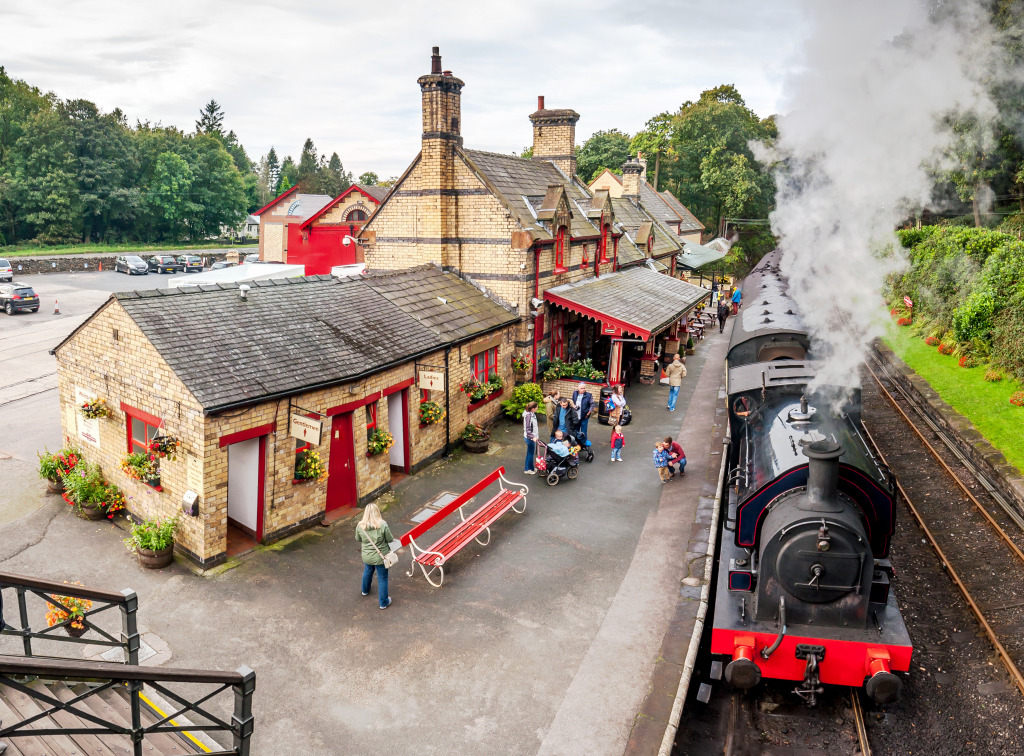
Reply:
x=823, y=545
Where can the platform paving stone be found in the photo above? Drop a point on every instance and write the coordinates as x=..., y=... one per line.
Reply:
x=555, y=638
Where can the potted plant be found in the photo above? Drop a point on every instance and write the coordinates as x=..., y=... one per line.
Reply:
x=95, y=409
x=65, y=608
x=379, y=442
x=152, y=541
x=520, y=365
x=475, y=439
x=689, y=345
x=311, y=466
x=141, y=466
x=431, y=412
x=53, y=466
x=86, y=491
x=473, y=389
x=164, y=446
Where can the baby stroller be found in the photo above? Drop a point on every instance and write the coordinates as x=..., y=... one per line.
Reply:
x=557, y=467
x=579, y=438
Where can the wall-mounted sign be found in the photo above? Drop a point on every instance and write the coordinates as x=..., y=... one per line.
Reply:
x=88, y=428
x=194, y=472
x=908, y=301
x=431, y=380
x=306, y=429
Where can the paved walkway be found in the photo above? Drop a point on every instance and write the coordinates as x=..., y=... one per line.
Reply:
x=552, y=639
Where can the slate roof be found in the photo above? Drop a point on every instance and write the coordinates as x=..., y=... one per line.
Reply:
x=305, y=205
x=632, y=218
x=377, y=192
x=643, y=301
x=655, y=204
x=689, y=222
x=522, y=184
x=293, y=335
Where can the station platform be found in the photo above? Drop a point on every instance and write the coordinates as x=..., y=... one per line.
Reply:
x=567, y=634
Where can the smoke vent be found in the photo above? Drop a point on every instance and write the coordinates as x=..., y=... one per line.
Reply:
x=823, y=471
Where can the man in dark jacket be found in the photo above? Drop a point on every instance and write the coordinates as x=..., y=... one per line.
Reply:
x=584, y=404
x=723, y=313
x=568, y=417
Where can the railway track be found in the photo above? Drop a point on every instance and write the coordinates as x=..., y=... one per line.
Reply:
x=976, y=534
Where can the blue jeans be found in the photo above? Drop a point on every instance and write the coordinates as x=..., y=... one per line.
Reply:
x=617, y=454
x=673, y=394
x=583, y=426
x=382, y=581
x=531, y=454
x=681, y=464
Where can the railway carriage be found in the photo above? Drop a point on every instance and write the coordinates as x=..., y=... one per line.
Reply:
x=803, y=588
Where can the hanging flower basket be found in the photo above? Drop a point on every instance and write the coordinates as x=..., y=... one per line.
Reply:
x=431, y=412
x=74, y=609
x=311, y=467
x=95, y=409
x=164, y=446
x=379, y=442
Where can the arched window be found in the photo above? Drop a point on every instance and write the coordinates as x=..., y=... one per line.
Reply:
x=356, y=215
x=560, y=251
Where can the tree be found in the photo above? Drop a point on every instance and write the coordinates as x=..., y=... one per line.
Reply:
x=388, y=183
x=333, y=178
x=217, y=192
x=653, y=141
x=273, y=171
x=975, y=163
x=211, y=118
x=605, y=149
x=368, y=179
x=169, y=195
x=289, y=176
x=308, y=177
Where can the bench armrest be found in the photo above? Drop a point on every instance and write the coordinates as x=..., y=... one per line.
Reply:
x=503, y=481
x=414, y=547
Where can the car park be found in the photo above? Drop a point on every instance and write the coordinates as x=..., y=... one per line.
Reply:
x=221, y=264
x=130, y=264
x=165, y=264
x=6, y=271
x=192, y=263
x=15, y=297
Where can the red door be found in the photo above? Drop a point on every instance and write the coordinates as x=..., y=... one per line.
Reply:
x=341, y=479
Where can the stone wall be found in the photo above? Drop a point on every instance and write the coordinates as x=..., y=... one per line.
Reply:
x=91, y=262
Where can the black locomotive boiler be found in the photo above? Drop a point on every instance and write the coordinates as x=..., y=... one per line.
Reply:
x=803, y=587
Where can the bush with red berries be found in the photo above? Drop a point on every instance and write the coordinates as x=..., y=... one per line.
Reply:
x=1017, y=399
x=931, y=341
x=965, y=361
x=946, y=348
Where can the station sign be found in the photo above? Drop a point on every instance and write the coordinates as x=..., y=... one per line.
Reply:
x=908, y=301
x=431, y=380
x=306, y=429
x=88, y=427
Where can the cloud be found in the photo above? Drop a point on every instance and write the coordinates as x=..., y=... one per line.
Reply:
x=345, y=73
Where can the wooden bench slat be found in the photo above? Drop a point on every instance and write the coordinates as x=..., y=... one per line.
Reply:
x=457, y=538
x=441, y=514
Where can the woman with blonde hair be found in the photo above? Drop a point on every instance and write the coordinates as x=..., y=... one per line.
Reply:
x=375, y=537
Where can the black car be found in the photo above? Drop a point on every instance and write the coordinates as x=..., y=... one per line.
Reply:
x=130, y=264
x=191, y=263
x=165, y=264
x=15, y=297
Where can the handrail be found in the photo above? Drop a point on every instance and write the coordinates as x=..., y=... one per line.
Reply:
x=65, y=589
x=73, y=669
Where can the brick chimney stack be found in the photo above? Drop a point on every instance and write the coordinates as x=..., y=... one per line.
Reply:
x=442, y=116
x=643, y=162
x=632, y=172
x=554, y=137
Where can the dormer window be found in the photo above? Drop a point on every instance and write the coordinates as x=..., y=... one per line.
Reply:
x=586, y=256
x=604, y=243
x=560, y=251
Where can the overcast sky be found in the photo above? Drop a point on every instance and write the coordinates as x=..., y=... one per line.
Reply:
x=344, y=73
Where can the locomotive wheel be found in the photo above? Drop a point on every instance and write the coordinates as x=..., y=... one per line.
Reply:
x=573, y=473
x=553, y=479
x=742, y=673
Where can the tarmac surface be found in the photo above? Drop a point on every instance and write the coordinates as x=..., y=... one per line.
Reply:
x=565, y=635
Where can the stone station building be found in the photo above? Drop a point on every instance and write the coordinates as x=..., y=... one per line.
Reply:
x=526, y=229
x=236, y=373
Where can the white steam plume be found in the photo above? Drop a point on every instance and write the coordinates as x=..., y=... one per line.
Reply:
x=861, y=130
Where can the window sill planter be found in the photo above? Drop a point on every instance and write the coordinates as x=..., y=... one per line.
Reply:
x=300, y=481
x=486, y=400
x=155, y=560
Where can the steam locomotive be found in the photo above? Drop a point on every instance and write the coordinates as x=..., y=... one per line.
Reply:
x=803, y=588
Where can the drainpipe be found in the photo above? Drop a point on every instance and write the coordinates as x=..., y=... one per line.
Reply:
x=447, y=404
x=536, y=295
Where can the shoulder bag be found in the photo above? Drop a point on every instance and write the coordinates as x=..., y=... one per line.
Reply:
x=389, y=559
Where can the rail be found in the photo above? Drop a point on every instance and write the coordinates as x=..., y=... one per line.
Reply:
x=47, y=590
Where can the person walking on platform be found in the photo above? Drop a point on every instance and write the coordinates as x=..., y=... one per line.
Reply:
x=676, y=371
x=584, y=404
x=530, y=436
x=661, y=462
x=618, y=401
x=375, y=536
x=676, y=457
x=618, y=441
x=551, y=408
x=737, y=295
x=723, y=313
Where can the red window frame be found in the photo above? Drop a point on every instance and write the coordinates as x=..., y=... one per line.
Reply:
x=586, y=257
x=371, y=420
x=560, y=251
x=558, y=336
x=485, y=363
x=604, y=243
x=424, y=395
x=650, y=245
x=135, y=442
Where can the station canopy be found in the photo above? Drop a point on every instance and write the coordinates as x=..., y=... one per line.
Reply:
x=696, y=255
x=635, y=301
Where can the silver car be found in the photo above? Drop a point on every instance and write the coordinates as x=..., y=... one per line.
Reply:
x=6, y=271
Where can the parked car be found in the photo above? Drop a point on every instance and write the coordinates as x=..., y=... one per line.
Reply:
x=15, y=297
x=6, y=271
x=192, y=263
x=252, y=257
x=221, y=264
x=130, y=264
x=165, y=264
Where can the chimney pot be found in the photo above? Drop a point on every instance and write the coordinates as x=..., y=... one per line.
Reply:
x=540, y=102
x=447, y=73
x=435, y=60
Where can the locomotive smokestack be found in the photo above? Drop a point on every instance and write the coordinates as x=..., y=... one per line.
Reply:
x=823, y=471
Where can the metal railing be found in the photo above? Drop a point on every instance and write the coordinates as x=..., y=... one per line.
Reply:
x=103, y=676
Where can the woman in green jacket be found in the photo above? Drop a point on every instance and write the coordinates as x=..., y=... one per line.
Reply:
x=375, y=537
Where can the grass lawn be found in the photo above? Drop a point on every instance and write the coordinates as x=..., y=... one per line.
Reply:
x=34, y=250
x=986, y=405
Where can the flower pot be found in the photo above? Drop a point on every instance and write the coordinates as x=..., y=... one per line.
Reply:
x=689, y=350
x=92, y=513
x=55, y=486
x=476, y=447
x=75, y=632
x=154, y=560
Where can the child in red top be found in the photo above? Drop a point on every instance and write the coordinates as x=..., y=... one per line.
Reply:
x=617, y=442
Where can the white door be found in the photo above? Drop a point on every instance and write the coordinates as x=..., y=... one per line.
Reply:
x=243, y=482
x=397, y=429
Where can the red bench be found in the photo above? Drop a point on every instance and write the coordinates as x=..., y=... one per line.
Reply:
x=435, y=557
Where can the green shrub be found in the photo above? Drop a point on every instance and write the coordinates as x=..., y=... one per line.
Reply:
x=1008, y=337
x=973, y=319
x=154, y=535
x=84, y=484
x=522, y=395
